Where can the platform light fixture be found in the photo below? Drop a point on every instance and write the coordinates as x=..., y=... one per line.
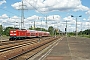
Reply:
x=76, y=23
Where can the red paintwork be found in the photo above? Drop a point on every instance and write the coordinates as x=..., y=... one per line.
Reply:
x=28, y=33
x=18, y=33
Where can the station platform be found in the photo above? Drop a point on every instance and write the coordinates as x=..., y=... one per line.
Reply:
x=70, y=48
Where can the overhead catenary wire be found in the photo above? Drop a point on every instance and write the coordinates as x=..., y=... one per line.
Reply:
x=38, y=11
x=35, y=8
x=9, y=12
x=20, y=16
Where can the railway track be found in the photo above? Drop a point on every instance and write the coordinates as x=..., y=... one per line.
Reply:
x=16, y=45
x=12, y=50
x=30, y=54
x=15, y=41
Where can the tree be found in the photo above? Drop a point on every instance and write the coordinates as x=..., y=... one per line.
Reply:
x=86, y=32
x=31, y=28
x=51, y=30
x=1, y=30
x=7, y=30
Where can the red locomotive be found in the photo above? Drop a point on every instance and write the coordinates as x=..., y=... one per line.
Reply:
x=22, y=34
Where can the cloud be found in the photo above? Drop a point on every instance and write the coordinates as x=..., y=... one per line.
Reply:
x=53, y=18
x=8, y=21
x=84, y=19
x=69, y=18
x=2, y=2
x=56, y=23
x=14, y=19
x=71, y=24
x=32, y=18
x=82, y=8
x=88, y=12
x=52, y=5
x=4, y=16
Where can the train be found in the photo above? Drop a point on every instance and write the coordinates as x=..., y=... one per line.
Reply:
x=23, y=34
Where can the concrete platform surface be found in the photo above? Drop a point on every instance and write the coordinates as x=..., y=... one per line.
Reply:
x=71, y=48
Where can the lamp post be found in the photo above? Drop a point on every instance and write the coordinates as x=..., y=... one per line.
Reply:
x=76, y=23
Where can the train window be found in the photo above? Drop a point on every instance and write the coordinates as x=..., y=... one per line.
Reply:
x=32, y=34
x=11, y=31
x=14, y=34
x=14, y=31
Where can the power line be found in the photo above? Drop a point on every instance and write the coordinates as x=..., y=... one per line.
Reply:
x=38, y=11
x=10, y=12
x=35, y=8
x=19, y=15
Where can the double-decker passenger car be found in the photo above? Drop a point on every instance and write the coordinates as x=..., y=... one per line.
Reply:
x=22, y=34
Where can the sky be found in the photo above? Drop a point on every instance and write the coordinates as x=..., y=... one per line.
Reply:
x=46, y=13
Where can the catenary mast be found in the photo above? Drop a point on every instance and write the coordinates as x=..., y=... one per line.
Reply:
x=22, y=14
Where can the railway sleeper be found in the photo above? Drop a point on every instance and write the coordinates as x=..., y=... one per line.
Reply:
x=26, y=49
x=45, y=45
x=29, y=51
x=35, y=47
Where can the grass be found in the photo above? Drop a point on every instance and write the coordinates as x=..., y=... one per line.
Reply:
x=88, y=36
